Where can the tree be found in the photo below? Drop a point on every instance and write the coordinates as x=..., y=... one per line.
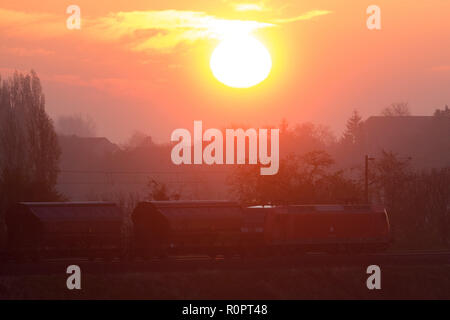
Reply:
x=29, y=150
x=78, y=125
x=316, y=163
x=398, y=109
x=416, y=201
x=306, y=179
x=442, y=113
x=138, y=140
x=160, y=192
x=390, y=175
x=352, y=131
x=304, y=137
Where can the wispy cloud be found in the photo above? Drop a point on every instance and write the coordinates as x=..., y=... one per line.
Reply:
x=305, y=16
x=26, y=52
x=160, y=30
x=260, y=6
x=163, y=30
x=35, y=24
x=166, y=29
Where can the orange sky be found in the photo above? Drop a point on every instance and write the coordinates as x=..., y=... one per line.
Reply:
x=144, y=65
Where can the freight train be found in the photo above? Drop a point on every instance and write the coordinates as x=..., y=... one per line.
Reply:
x=162, y=228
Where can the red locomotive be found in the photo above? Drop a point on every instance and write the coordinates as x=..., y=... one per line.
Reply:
x=330, y=228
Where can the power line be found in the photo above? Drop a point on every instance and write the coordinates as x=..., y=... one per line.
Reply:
x=113, y=182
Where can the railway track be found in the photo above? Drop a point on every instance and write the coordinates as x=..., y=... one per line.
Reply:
x=192, y=263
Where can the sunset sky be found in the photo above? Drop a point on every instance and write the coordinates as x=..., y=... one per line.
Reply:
x=144, y=65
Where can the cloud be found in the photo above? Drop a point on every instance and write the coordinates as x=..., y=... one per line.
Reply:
x=26, y=24
x=26, y=52
x=250, y=7
x=305, y=16
x=160, y=30
x=164, y=30
x=167, y=28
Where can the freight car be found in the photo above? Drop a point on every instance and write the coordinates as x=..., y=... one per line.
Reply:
x=330, y=228
x=64, y=229
x=186, y=227
x=94, y=229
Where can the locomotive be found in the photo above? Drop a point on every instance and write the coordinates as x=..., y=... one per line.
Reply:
x=161, y=228
x=324, y=228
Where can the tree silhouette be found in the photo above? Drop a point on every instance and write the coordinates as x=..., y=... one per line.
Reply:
x=305, y=179
x=442, y=113
x=415, y=200
x=160, y=192
x=352, y=131
x=29, y=150
x=397, y=109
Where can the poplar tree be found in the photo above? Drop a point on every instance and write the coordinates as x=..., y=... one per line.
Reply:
x=29, y=149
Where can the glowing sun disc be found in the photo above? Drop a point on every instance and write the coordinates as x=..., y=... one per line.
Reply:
x=240, y=62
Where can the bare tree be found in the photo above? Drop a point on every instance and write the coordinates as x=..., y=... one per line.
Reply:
x=397, y=109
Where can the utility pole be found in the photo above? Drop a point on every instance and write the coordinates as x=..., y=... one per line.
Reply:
x=366, y=185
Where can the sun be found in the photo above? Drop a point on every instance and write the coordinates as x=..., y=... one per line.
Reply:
x=240, y=62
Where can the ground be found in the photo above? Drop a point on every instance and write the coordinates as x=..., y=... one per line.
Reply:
x=207, y=281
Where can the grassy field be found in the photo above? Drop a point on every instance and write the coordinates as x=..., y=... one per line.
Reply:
x=427, y=282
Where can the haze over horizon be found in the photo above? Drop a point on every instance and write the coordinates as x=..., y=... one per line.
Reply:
x=154, y=75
